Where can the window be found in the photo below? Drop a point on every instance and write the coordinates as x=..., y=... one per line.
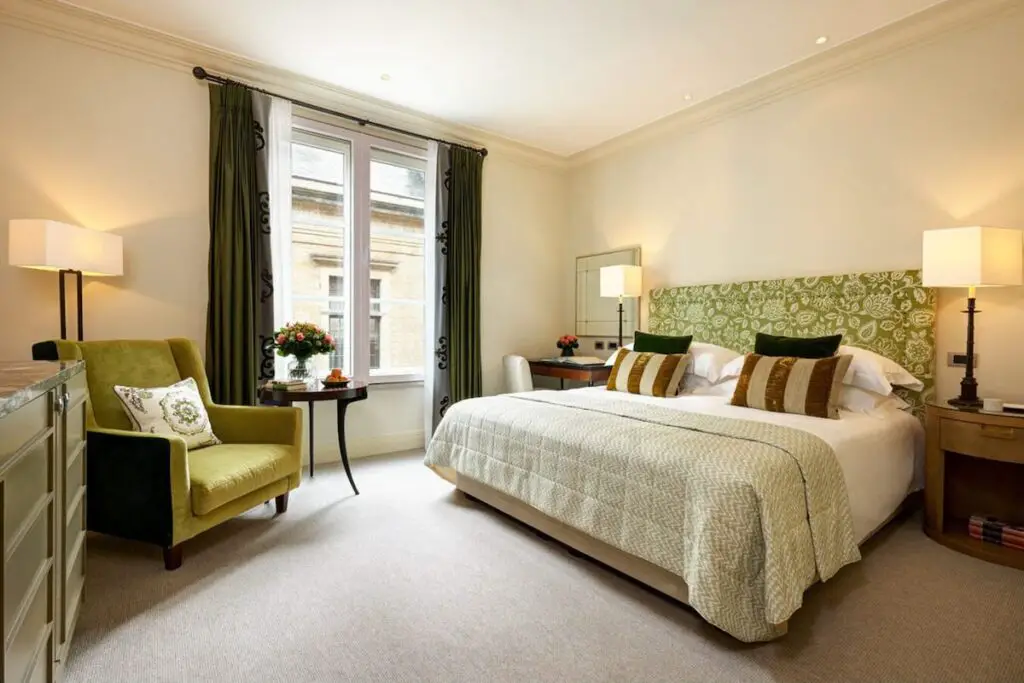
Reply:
x=374, y=324
x=356, y=250
x=336, y=320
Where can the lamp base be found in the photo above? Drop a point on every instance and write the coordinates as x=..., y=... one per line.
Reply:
x=968, y=397
x=959, y=402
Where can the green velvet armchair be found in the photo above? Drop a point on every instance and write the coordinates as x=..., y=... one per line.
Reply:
x=149, y=487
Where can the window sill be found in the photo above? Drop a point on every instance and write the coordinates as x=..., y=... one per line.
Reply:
x=396, y=381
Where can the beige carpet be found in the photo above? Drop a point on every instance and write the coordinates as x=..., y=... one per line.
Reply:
x=408, y=583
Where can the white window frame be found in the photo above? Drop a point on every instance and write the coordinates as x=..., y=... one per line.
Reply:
x=357, y=247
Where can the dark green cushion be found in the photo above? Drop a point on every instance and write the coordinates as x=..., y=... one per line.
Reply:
x=796, y=347
x=645, y=342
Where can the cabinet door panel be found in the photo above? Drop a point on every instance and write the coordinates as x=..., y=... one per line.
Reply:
x=73, y=593
x=74, y=533
x=77, y=388
x=27, y=560
x=35, y=626
x=21, y=426
x=27, y=486
x=75, y=436
x=43, y=671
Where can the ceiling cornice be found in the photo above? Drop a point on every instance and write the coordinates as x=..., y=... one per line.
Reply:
x=917, y=29
x=68, y=22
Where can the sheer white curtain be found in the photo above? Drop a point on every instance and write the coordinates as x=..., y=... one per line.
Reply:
x=435, y=370
x=279, y=141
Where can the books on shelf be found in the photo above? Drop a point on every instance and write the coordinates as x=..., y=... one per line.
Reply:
x=991, y=530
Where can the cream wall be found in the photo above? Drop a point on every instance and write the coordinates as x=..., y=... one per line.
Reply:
x=841, y=177
x=113, y=142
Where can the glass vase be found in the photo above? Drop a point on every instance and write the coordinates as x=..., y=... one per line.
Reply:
x=567, y=351
x=300, y=368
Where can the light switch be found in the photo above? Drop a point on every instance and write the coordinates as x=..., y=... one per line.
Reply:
x=959, y=360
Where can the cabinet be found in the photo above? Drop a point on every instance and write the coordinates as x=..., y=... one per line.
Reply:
x=974, y=466
x=42, y=498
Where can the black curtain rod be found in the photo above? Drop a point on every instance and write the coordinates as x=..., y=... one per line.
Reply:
x=203, y=75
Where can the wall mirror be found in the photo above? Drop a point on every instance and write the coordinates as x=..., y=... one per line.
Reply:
x=598, y=316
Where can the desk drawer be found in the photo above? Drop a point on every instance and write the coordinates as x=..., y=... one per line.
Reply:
x=995, y=442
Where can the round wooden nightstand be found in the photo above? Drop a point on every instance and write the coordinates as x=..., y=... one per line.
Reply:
x=315, y=391
x=974, y=465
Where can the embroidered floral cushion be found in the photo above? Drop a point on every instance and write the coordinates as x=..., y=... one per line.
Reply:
x=176, y=410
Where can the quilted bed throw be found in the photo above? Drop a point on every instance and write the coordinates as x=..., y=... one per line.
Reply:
x=749, y=514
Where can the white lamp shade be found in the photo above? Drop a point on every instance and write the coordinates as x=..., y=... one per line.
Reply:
x=624, y=281
x=973, y=257
x=50, y=245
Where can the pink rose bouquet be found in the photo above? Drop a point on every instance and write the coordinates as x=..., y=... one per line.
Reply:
x=303, y=340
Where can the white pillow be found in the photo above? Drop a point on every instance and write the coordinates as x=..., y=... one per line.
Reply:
x=851, y=398
x=732, y=369
x=611, y=359
x=725, y=388
x=176, y=410
x=692, y=384
x=859, y=400
x=869, y=361
x=709, y=360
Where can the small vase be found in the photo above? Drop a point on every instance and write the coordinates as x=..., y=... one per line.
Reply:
x=567, y=351
x=300, y=368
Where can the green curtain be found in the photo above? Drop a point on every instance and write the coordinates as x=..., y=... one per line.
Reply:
x=463, y=276
x=232, y=361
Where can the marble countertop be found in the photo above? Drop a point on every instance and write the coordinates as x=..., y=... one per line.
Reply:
x=24, y=380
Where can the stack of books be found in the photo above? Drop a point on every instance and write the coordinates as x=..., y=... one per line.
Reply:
x=287, y=385
x=991, y=530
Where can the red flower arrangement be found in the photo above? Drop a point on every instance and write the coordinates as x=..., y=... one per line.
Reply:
x=568, y=342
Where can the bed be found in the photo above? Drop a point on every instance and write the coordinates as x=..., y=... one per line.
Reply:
x=732, y=510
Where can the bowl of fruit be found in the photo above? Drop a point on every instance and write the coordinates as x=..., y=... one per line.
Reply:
x=335, y=379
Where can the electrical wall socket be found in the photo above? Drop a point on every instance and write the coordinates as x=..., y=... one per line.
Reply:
x=599, y=346
x=613, y=345
x=959, y=360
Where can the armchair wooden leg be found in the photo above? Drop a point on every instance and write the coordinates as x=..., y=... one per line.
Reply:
x=172, y=558
x=282, y=503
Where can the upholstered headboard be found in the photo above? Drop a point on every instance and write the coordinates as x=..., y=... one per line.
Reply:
x=890, y=313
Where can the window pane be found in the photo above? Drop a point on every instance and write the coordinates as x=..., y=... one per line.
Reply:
x=320, y=224
x=396, y=339
x=397, y=189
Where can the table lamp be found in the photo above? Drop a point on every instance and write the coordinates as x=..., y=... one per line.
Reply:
x=972, y=257
x=621, y=282
x=67, y=249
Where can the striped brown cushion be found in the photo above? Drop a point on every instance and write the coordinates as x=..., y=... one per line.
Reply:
x=783, y=384
x=649, y=374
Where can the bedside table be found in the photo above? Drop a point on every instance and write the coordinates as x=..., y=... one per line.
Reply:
x=974, y=465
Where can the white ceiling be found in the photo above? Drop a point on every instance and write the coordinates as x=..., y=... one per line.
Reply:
x=560, y=75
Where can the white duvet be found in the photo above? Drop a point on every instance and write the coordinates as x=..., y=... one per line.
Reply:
x=881, y=453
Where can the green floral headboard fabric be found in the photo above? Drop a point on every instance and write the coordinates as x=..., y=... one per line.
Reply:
x=890, y=313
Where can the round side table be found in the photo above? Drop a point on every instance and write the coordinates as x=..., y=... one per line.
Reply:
x=350, y=393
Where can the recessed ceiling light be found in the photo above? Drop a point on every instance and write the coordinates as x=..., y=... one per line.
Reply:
x=385, y=77
x=821, y=40
x=687, y=97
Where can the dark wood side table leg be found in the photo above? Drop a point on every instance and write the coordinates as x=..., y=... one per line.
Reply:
x=342, y=408
x=312, y=408
x=561, y=383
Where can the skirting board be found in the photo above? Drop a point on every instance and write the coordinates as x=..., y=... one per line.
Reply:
x=327, y=451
